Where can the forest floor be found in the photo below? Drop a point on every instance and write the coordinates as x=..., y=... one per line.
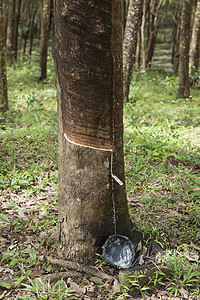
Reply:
x=162, y=158
x=162, y=57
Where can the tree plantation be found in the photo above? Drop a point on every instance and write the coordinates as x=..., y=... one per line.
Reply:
x=99, y=149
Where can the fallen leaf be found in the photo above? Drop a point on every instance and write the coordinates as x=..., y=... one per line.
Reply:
x=37, y=273
x=96, y=280
x=191, y=256
x=144, y=251
x=75, y=286
x=184, y=293
x=116, y=286
x=21, y=214
x=140, y=260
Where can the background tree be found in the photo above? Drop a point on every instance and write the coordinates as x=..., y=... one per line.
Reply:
x=26, y=27
x=34, y=10
x=155, y=14
x=130, y=42
x=10, y=37
x=45, y=12
x=176, y=16
x=184, y=49
x=195, y=42
x=143, y=44
x=151, y=19
x=17, y=20
x=3, y=78
x=88, y=57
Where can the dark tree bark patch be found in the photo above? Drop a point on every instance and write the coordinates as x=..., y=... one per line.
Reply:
x=86, y=63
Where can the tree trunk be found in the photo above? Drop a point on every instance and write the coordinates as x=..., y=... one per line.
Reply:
x=155, y=16
x=17, y=19
x=10, y=38
x=123, y=14
x=26, y=29
x=88, y=58
x=38, y=33
x=32, y=27
x=130, y=43
x=176, y=37
x=143, y=36
x=138, y=49
x=184, y=49
x=192, y=18
x=45, y=10
x=195, y=41
x=3, y=78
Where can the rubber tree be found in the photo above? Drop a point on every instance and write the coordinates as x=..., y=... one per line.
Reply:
x=3, y=78
x=143, y=23
x=34, y=9
x=88, y=59
x=10, y=37
x=184, y=49
x=155, y=17
x=17, y=20
x=130, y=43
x=176, y=15
x=26, y=27
x=45, y=11
x=195, y=42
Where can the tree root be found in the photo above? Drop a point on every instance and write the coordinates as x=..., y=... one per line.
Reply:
x=57, y=276
x=77, y=267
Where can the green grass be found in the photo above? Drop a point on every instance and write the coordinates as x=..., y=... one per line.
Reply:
x=163, y=157
x=29, y=134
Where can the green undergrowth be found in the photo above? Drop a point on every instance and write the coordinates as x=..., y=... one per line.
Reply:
x=29, y=134
x=162, y=150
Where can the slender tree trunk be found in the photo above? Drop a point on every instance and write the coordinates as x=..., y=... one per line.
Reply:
x=88, y=57
x=17, y=20
x=38, y=33
x=123, y=14
x=192, y=18
x=154, y=21
x=130, y=43
x=184, y=49
x=138, y=48
x=10, y=41
x=143, y=36
x=45, y=10
x=3, y=78
x=26, y=31
x=176, y=37
x=195, y=42
x=32, y=27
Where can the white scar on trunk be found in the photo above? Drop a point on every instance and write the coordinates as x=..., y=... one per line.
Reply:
x=102, y=149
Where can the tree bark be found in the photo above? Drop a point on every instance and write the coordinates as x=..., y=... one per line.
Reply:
x=195, y=42
x=17, y=20
x=143, y=36
x=88, y=58
x=184, y=49
x=130, y=43
x=45, y=10
x=137, y=55
x=10, y=38
x=192, y=18
x=3, y=78
x=32, y=27
x=176, y=36
x=26, y=28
